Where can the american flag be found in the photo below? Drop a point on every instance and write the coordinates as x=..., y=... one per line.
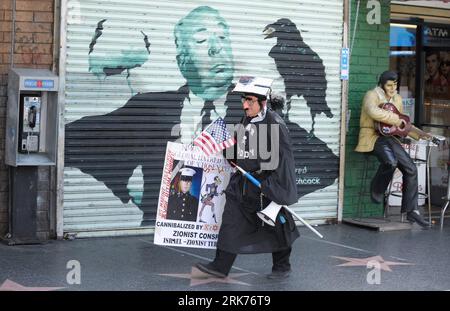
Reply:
x=214, y=138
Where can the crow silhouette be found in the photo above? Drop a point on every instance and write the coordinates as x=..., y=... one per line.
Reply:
x=300, y=67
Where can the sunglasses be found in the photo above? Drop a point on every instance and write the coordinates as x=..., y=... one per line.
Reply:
x=446, y=63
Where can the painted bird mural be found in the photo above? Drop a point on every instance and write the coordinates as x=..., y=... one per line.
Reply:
x=300, y=67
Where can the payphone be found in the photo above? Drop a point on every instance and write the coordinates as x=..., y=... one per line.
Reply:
x=30, y=141
x=31, y=123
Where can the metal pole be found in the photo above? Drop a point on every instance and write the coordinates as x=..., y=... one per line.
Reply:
x=428, y=181
x=344, y=110
x=304, y=222
x=61, y=129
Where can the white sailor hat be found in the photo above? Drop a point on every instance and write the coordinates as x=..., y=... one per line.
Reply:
x=253, y=85
x=187, y=173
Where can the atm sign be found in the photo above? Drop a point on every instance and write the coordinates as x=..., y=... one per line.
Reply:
x=39, y=84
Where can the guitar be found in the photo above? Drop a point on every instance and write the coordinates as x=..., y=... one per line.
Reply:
x=405, y=128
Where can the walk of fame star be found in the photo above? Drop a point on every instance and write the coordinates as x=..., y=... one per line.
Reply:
x=9, y=285
x=384, y=265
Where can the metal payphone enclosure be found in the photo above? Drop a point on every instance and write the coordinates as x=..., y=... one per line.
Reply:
x=30, y=141
x=32, y=117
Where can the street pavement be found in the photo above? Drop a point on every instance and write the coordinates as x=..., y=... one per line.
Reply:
x=347, y=259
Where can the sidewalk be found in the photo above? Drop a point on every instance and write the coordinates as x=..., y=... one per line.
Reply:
x=408, y=260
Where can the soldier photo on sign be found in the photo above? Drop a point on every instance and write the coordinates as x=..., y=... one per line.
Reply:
x=183, y=204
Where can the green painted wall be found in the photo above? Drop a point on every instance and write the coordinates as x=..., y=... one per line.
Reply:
x=369, y=58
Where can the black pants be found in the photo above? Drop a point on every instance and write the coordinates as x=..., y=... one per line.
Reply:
x=391, y=156
x=224, y=260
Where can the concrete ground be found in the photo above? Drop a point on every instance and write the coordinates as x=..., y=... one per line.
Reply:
x=347, y=259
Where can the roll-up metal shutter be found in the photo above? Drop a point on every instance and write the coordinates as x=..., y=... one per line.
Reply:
x=125, y=97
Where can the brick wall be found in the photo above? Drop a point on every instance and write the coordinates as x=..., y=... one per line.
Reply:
x=369, y=58
x=33, y=48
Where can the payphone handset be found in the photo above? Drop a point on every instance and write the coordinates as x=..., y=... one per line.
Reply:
x=30, y=121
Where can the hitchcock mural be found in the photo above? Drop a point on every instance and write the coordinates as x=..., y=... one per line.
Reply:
x=140, y=75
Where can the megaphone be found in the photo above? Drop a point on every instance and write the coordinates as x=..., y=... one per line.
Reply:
x=269, y=214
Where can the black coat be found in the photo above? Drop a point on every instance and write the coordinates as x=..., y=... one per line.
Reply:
x=242, y=231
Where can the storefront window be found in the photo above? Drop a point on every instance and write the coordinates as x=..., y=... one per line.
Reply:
x=403, y=61
x=436, y=118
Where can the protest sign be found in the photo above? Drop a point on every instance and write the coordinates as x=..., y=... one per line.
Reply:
x=191, y=198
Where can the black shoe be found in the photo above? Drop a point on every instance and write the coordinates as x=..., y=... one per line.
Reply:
x=414, y=216
x=209, y=269
x=377, y=197
x=279, y=275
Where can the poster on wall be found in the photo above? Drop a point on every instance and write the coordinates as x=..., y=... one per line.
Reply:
x=437, y=87
x=191, y=198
